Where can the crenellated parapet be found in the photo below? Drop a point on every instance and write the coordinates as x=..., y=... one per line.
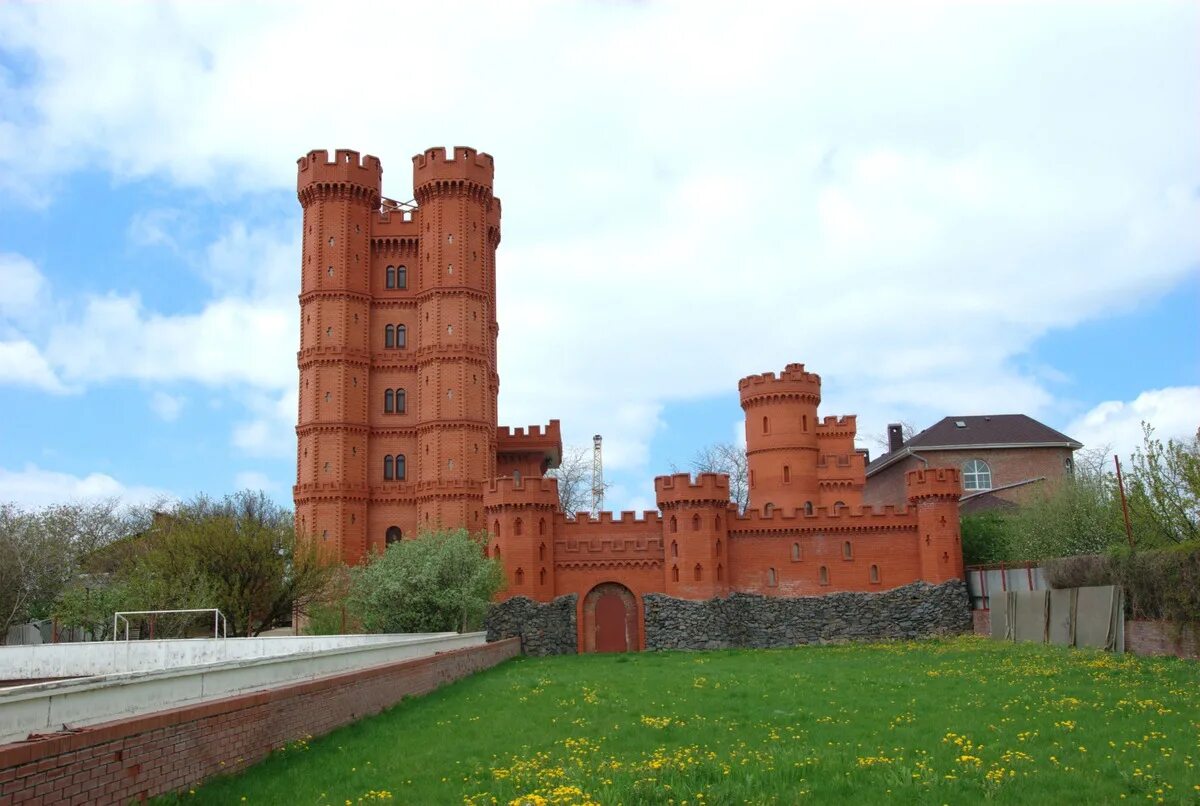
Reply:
x=845, y=425
x=941, y=483
x=347, y=174
x=707, y=489
x=539, y=493
x=462, y=167
x=794, y=381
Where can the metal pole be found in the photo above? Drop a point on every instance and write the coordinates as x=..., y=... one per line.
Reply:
x=1124, y=503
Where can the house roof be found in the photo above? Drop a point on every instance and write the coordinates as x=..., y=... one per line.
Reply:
x=972, y=432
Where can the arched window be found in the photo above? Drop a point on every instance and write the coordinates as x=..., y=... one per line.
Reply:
x=401, y=277
x=401, y=401
x=674, y=549
x=542, y=577
x=875, y=574
x=496, y=552
x=542, y=528
x=720, y=572
x=401, y=470
x=391, y=276
x=847, y=551
x=695, y=523
x=520, y=576
x=717, y=522
x=389, y=336
x=838, y=506
x=697, y=573
x=824, y=575
x=787, y=474
x=542, y=553
x=804, y=422
x=752, y=479
x=388, y=468
x=517, y=527
x=718, y=547
x=808, y=508
x=795, y=552
x=768, y=508
x=392, y=535
x=766, y=424
x=674, y=573
x=977, y=475
x=674, y=525
x=772, y=579
x=389, y=401
x=496, y=528
x=401, y=336
x=516, y=476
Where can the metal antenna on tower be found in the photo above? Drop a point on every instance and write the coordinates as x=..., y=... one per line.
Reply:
x=597, y=478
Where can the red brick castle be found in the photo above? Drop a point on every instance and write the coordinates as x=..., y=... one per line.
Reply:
x=398, y=430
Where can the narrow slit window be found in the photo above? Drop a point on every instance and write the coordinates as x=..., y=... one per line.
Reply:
x=875, y=574
x=795, y=552
x=824, y=575
x=847, y=551
x=787, y=474
x=674, y=573
x=772, y=578
x=697, y=573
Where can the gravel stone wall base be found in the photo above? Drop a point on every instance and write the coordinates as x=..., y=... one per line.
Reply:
x=545, y=628
x=751, y=621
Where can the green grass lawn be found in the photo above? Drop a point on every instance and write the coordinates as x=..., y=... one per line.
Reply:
x=950, y=721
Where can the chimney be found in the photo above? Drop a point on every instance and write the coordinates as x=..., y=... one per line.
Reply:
x=895, y=437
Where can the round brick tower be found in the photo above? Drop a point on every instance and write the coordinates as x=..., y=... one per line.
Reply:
x=781, y=437
x=338, y=197
x=457, y=380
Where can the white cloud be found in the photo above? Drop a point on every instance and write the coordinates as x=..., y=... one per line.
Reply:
x=905, y=196
x=21, y=364
x=22, y=287
x=167, y=407
x=34, y=487
x=1174, y=412
x=271, y=431
x=254, y=480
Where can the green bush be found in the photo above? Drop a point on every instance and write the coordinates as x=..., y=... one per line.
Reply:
x=986, y=538
x=1159, y=584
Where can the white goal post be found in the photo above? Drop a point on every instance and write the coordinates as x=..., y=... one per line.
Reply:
x=220, y=626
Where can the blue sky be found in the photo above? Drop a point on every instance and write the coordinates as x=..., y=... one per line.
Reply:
x=941, y=208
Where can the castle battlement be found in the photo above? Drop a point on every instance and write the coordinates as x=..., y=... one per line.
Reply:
x=552, y=431
x=346, y=167
x=794, y=380
x=463, y=164
x=842, y=425
x=707, y=488
x=394, y=224
x=933, y=482
x=824, y=517
x=583, y=520
x=509, y=492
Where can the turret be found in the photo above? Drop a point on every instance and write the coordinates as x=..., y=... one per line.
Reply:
x=339, y=197
x=781, y=437
x=935, y=493
x=695, y=534
x=520, y=518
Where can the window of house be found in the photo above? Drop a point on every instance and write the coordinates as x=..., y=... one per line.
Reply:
x=388, y=468
x=401, y=471
x=808, y=508
x=389, y=401
x=977, y=475
x=401, y=401
x=393, y=535
x=401, y=277
x=389, y=336
x=391, y=276
x=401, y=335
x=768, y=508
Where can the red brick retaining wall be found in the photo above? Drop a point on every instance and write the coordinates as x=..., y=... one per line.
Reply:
x=148, y=755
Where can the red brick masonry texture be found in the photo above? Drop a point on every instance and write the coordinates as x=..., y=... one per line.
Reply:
x=144, y=756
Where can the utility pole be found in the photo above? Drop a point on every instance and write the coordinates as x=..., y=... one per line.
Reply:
x=597, y=478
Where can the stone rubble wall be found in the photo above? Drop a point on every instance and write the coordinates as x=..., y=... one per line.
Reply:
x=547, y=628
x=751, y=621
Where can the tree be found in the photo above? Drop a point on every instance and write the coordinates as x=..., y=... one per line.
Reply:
x=574, y=474
x=986, y=538
x=239, y=554
x=441, y=581
x=730, y=459
x=1163, y=488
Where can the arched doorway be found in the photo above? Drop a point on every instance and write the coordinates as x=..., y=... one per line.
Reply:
x=610, y=619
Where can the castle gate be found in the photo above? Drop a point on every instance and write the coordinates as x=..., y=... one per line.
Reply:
x=609, y=619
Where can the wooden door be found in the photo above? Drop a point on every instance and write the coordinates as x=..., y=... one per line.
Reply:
x=611, y=624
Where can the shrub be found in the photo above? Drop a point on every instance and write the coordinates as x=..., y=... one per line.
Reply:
x=1159, y=584
x=986, y=538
